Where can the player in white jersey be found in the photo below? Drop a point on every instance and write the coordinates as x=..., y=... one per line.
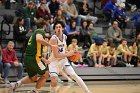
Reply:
x=59, y=59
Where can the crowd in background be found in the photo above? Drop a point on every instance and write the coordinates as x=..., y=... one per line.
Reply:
x=96, y=51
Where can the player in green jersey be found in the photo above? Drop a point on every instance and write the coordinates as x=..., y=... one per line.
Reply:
x=35, y=64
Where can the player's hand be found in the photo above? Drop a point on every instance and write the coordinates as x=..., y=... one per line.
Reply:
x=71, y=53
x=47, y=61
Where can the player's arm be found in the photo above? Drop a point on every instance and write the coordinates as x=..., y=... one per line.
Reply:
x=39, y=38
x=56, y=53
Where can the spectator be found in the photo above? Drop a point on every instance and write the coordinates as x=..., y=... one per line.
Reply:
x=114, y=33
x=30, y=16
x=134, y=58
x=72, y=32
x=74, y=47
x=19, y=30
x=1, y=67
x=59, y=16
x=138, y=45
x=93, y=33
x=9, y=60
x=136, y=19
x=85, y=35
x=54, y=5
x=120, y=16
x=113, y=55
x=123, y=50
x=95, y=53
x=105, y=54
x=109, y=9
x=42, y=11
x=84, y=12
x=71, y=11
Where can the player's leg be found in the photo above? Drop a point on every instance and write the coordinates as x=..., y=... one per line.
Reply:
x=42, y=80
x=25, y=80
x=54, y=82
x=66, y=76
x=80, y=82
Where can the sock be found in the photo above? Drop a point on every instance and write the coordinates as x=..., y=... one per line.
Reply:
x=80, y=82
x=19, y=83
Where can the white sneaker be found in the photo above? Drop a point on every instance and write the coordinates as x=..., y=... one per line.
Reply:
x=14, y=86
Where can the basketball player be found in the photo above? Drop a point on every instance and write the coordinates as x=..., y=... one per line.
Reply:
x=59, y=61
x=35, y=64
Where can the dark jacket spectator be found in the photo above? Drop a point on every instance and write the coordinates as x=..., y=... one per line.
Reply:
x=53, y=6
x=85, y=34
x=19, y=30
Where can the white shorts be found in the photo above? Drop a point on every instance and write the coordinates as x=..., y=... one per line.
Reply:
x=56, y=66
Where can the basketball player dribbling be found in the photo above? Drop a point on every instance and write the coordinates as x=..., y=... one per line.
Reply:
x=59, y=61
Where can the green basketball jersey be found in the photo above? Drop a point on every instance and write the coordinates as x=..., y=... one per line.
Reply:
x=34, y=48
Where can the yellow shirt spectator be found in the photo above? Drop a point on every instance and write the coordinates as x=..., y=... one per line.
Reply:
x=93, y=48
x=122, y=49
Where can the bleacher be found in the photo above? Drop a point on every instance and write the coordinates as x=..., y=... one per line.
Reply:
x=89, y=73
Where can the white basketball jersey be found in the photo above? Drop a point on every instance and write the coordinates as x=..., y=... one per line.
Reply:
x=61, y=45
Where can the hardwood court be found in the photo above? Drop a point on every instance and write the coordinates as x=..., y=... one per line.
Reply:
x=94, y=86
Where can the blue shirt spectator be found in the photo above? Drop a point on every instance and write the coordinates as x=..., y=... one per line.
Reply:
x=110, y=6
x=136, y=19
x=72, y=31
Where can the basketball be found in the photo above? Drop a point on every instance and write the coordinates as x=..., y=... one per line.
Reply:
x=75, y=57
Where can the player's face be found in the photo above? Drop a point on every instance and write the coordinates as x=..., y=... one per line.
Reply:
x=58, y=28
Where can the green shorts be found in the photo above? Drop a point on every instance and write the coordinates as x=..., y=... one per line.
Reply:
x=32, y=67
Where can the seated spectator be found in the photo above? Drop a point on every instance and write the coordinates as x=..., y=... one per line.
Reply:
x=112, y=55
x=42, y=11
x=72, y=32
x=71, y=11
x=93, y=33
x=136, y=19
x=120, y=16
x=134, y=58
x=138, y=45
x=74, y=47
x=95, y=53
x=30, y=16
x=19, y=30
x=123, y=50
x=10, y=60
x=114, y=33
x=59, y=16
x=105, y=54
x=85, y=35
x=53, y=5
x=1, y=66
x=109, y=8
x=84, y=12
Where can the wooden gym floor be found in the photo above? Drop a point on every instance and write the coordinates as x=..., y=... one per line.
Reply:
x=125, y=86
